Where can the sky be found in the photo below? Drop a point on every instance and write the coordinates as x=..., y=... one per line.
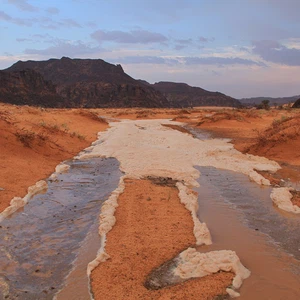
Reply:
x=243, y=48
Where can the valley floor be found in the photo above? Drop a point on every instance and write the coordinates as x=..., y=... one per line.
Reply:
x=34, y=140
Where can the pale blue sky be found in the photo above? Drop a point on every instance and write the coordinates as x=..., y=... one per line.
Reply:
x=240, y=47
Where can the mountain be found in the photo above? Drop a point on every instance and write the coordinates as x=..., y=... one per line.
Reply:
x=273, y=101
x=183, y=95
x=93, y=83
x=28, y=87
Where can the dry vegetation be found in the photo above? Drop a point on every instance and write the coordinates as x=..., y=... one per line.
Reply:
x=34, y=140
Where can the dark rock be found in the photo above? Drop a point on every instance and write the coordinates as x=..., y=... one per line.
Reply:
x=93, y=83
x=183, y=95
x=28, y=87
x=296, y=104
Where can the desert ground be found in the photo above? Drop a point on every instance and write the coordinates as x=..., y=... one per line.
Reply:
x=152, y=224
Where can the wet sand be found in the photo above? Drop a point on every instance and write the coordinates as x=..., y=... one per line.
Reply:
x=152, y=227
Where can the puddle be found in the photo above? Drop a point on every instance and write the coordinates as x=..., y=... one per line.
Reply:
x=241, y=217
x=40, y=242
x=197, y=133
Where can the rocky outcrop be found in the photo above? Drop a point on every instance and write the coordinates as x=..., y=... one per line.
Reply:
x=297, y=104
x=94, y=83
x=28, y=87
x=183, y=95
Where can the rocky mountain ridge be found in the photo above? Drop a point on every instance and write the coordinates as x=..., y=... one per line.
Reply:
x=95, y=83
x=184, y=95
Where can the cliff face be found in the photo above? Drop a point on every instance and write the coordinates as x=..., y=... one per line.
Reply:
x=183, y=95
x=28, y=87
x=94, y=83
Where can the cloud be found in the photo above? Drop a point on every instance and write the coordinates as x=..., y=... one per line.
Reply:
x=44, y=22
x=187, y=61
x=212, y=60
x=65, y=48
x=132, y=37
x=18, y=21
x=70, y=23
x=20, y=40
x=91, y=24
x=275, y=52
x=52, y=10
x=4, y=16
x=146, y=60
x=203, y=39
x=41, y=36
x=23, y=5
x=184, y=42
x=179, y=47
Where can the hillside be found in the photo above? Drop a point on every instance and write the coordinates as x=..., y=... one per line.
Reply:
x=28, y=87
x=183, y=95
x=93, y=83
x=273, y=101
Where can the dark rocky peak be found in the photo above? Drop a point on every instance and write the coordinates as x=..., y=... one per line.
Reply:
x=67, y=70
x=94, y=83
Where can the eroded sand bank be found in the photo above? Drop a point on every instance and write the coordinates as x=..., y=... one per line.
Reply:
x=152, y=227
x=147, y=148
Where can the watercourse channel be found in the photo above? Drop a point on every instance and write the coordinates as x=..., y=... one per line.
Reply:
x=40, y=244
x=46, y=246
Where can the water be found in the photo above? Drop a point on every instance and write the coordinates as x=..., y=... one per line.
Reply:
x=40, y=243
x=255, y=206
x=241, y=217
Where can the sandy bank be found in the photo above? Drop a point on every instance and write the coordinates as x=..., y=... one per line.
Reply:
x=34, y=140
x=152, y=227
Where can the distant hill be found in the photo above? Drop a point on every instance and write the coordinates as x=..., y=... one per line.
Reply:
x=183, y=95
x=273, y=101
x=93, y=83
x=28, y=87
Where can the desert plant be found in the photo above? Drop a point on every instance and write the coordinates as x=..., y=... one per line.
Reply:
x=27, y=137
x=265, y=104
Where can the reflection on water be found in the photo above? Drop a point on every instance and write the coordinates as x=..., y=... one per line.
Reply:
x=257, y=208
x=39, y=242
x=241, y=217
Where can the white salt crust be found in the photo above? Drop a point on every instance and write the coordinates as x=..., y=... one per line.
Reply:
x=281, y=197
x=59, y=169
x=146, y=148
x=107, y=221
x=18, y=202
x=190, y=199
x=195, y=264
x=62, y=168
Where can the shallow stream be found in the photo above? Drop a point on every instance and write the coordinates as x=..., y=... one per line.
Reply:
x=43, y=243
x=241, y=217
